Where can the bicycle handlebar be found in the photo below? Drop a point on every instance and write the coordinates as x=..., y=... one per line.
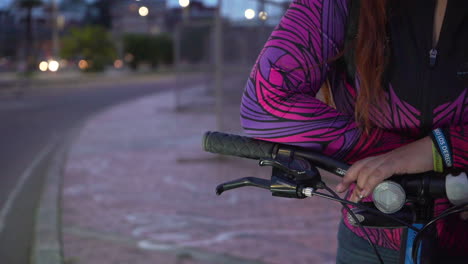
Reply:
x=234, y=145
x=246, y=147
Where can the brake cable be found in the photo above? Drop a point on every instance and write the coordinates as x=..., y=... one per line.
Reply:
x=371, y=210
x=357, y=221
x=450, y=211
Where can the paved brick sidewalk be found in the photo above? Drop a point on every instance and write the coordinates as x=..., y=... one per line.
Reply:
x=138, y=189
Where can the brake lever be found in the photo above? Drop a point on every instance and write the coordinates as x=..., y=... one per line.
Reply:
x=279, y=186
x=247, y=181
x=281, y=183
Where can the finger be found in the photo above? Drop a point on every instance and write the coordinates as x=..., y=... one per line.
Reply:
x=373, y=173
x=350, y=176
x=355, y=196
x=354, y=173
x=364, y=174
x=376, y=178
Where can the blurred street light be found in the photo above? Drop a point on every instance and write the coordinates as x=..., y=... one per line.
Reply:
x=54, y=65
x=263, y=15
x=55, y=29
x=43, y=66
x=61, y=22
x=185, y=9
x=184, y=3
x=143, y=11
x=249, y=14
x=219, y=65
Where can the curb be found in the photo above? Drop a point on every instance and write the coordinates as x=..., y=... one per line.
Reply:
x=12, y=84
x=17, y=216
x=17, y=88
x=47, y=243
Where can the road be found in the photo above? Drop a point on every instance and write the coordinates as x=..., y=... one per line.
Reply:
x=30, y=126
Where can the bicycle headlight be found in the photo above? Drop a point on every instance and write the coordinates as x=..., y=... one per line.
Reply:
x=389, y=197
x=457, y=188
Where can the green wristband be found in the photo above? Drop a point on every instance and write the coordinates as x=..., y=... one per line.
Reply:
x=438, y=163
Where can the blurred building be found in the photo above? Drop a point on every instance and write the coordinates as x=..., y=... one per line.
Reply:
x=196, y=12
x=127, y=16
x=73, y=13
x=14, y=35
x=160, y=19
x=8, y=34
x=28, y=40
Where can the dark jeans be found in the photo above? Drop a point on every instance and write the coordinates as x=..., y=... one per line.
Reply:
x=353, y=249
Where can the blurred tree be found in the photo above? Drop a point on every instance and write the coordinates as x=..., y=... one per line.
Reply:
x=148, y=49
x=91, y=43
x=29, y=5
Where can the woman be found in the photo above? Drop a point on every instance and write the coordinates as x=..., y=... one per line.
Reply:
x=408, y=91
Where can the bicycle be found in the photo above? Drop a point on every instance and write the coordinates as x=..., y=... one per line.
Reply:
x=406, y=202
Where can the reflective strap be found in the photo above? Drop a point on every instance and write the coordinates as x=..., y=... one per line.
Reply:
x=443, y=146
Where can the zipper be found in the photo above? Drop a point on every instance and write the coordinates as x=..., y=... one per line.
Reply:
x=432, y=57
x=427, y=110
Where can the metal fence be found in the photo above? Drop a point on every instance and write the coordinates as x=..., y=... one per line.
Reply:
x=224, y=50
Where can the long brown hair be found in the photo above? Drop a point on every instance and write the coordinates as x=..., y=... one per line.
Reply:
x=371, y=57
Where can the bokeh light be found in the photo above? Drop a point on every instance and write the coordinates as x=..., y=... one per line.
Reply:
x=43, y=66
x=184, y=3
x=118, y=64
x=143, y=11
x=83, y=65
x=263, y=15
x=54, y=65
x=249, y=13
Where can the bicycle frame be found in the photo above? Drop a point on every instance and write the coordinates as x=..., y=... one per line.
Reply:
x=408, y=246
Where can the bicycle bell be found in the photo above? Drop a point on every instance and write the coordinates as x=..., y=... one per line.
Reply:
x=389, y=197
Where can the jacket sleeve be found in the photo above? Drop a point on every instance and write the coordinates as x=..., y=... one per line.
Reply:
x=279, y=101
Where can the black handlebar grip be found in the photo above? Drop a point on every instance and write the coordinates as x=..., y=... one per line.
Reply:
x=234, y=145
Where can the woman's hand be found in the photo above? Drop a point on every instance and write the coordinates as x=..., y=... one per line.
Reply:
x=415, y=157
